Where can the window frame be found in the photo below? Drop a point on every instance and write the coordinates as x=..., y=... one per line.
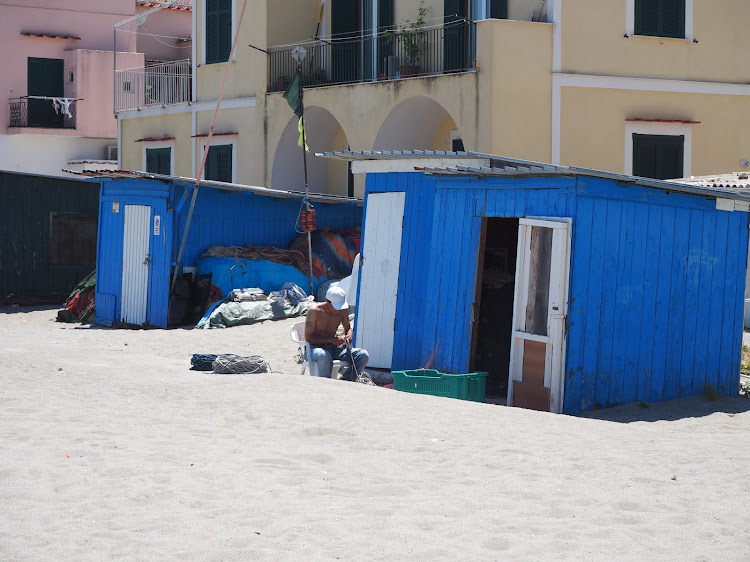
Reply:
x=660, y=129
x=155, y=145
x=630, y=23
x=227, y=141
x=204, y=41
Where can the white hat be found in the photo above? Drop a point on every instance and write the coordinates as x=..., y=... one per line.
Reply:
x=337, y=296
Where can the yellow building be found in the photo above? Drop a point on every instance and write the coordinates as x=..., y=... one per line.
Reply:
x=647, y=87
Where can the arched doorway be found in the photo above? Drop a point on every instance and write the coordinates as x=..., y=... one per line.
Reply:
x=418, y=123
x=323, y=134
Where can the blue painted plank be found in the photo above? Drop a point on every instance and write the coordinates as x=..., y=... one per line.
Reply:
x=591, y=302
x=521, y=197
x=661, y=320
x=433, y=297
x=676, y=334
x=406, y=265
x=635, y=306
x=454, y=246
x=607, y=189
x=690, y=303
x=650, y=276
x=731, y=306
x=716, y=312
x=703, y=312
x=619, y=378
x=741, y=234
x=467, y=287
x=578, y=304
x=608, y=296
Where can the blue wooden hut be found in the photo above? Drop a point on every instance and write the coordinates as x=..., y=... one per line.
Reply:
x=575, y=289
x=142, y=219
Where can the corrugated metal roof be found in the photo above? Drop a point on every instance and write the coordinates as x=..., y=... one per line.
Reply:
x=735, y=180
x=503, y=166
x=266, y=191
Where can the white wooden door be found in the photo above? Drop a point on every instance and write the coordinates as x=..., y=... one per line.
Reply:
x=537, y=355
x=135, y=264
x=378, y=276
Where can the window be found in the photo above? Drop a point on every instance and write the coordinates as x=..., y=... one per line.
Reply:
x=219, y=163
x=159, y=161
x=658, y=157
x=127, y=86
x=660, y=18
x=72, y=240
x=218, y=30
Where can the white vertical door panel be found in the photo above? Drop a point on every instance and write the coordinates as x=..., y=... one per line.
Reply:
x=135, y=264
x=378, y=277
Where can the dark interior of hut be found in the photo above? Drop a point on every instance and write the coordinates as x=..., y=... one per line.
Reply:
x=495, y=288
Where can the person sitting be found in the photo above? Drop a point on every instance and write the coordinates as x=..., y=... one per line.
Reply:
x=323, y=320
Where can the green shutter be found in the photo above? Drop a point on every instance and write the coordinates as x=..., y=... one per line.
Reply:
x=499, y=9
x=660, y=18
x=672, y=19
x=158, y=161
x=218, y=30
x=385, y=14
x=219, y=163
x=44, y=78
x=658, y=156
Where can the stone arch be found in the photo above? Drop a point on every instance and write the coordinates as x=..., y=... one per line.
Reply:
x=324, y=134
x=417, y=123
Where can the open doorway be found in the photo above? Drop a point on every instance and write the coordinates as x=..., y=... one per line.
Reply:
x=494, y=307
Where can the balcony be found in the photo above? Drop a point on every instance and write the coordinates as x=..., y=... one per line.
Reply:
x=155, y=85
x=390, y=55
x=43, y=112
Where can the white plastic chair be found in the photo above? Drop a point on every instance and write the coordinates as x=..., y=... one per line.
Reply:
x=297, y=333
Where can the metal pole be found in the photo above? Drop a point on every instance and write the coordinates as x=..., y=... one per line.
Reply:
x=304, y=163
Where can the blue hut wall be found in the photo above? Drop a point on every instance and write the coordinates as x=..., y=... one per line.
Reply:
x=656, y=281
x=220, y=218
x=657, y=291
x=152, y=193
x=234, y=218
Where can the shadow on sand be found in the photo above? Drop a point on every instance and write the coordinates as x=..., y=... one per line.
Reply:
x=693, y=407
x=26, y=309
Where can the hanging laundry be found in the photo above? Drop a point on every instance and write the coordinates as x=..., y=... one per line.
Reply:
x=64, y=105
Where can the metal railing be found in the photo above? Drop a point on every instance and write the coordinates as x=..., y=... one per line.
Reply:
x=398, y=54
x=43, y=112
x=159, y=84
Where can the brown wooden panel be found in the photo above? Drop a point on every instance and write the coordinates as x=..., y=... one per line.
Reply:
x=530, y=396
x=534, y=354
x=539, y=279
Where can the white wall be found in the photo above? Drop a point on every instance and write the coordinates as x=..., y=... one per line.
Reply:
x=47, y=154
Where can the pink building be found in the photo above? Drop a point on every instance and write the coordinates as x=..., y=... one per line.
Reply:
x=58, y=75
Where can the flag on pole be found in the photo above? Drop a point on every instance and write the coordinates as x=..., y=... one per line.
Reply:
x=293, y=96
x=302, y=138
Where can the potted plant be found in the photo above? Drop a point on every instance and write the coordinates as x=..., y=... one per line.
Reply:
x=411, y=38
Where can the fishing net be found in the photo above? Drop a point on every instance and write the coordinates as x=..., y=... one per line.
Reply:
x=238, y=365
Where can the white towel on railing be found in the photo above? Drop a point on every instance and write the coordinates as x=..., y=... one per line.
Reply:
x=63, y=104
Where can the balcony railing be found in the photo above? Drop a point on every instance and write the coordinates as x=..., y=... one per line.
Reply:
x=159, y=84
x=43, y=112
x=390, y=55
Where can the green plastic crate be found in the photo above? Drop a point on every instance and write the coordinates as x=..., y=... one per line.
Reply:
x=428, y=381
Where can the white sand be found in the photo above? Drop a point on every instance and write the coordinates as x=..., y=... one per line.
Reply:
x=127, y=454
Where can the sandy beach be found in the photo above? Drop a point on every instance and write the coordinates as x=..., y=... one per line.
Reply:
x=111, y=448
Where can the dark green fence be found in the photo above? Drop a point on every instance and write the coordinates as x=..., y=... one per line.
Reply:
x=47, y=235
x=401, y=54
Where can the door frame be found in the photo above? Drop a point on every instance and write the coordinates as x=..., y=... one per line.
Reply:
x=554, y=375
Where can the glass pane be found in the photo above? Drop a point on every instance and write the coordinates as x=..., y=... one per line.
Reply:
x=539, y=274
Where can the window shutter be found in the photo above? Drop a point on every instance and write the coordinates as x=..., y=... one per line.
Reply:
x=219, y=163
x=499, y=9
x=672, y=19
x=647, y=17
x=452, y=10
x=658, y=156
x=385, y=14
x=152, y=161
x=218, y=30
